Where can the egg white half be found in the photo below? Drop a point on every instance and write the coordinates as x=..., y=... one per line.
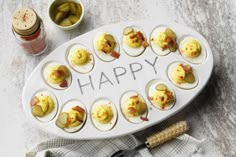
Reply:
x=197, y=60
x=81, y=68
x=123, y=101
x=51, y=115
x=46, y=70
x=101, y=55
x=133, y=52
x=111, y=124
x=154, y=46
x=69, y=105
x=184, y=85
x=151, y=89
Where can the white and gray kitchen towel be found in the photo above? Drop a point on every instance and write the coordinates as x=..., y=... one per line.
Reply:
x=183, y=146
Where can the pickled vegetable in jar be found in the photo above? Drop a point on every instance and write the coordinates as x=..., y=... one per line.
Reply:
x=29, y=31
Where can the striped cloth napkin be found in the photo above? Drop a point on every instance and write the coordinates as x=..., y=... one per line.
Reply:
x=183, y=146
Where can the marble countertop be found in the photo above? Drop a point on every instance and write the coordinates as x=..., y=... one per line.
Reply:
x=212, y=114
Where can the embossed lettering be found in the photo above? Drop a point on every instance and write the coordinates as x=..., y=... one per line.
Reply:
x=86, y=84
x=134, y=70
x=106, y=80
x=152, y=64
x=117, y=74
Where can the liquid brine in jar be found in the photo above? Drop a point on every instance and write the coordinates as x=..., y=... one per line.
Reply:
x=29, y=31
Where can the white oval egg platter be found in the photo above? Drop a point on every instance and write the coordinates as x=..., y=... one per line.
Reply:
x=113, y=79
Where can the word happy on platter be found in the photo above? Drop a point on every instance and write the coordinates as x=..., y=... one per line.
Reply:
x=119, y=71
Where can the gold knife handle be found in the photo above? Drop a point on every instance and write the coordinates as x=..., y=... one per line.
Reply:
x=167, y=134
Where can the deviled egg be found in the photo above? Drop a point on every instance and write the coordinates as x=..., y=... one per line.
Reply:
x=104, y=114
x=134, y=107
x=57, y=75
x=44, y=106
x=72, y=116
x=163, y=40
x=80, y=58
x=192, y=49
x=106, y=47
x=134, y=41
x=160, y=94
x=182, y=75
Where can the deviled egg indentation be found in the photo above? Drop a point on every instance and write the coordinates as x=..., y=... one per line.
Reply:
x=163, y=40
x=44, y=106
x=192, y=49
x=160, y=94
x=182, y=75
x=57, y=75
x=134, y=107
x=134, y=41
x=104, y=114
x=72, y=117
x=80, y=58
x=106, y=47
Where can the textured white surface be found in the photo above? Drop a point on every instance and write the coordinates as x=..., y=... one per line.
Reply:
x=211, y=115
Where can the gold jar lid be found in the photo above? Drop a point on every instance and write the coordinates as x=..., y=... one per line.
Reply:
x=25, y=21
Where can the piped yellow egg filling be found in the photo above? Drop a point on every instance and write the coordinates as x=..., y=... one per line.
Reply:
x=166, y=40
x=105, y=43
x=178, y=74
x=71, y=118
x=133, y=40
x=160, y=40
x=75, y=118
x=103, y=114
x=163, y=98
x=42, y=105
x=80, y=57
x=191, y=48
x=183, y=73
x=135, y=107
x=57, y=74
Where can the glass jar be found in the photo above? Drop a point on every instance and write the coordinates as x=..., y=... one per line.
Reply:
x=29, y=31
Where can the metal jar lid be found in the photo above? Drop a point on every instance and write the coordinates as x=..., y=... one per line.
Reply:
x=25, y=21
